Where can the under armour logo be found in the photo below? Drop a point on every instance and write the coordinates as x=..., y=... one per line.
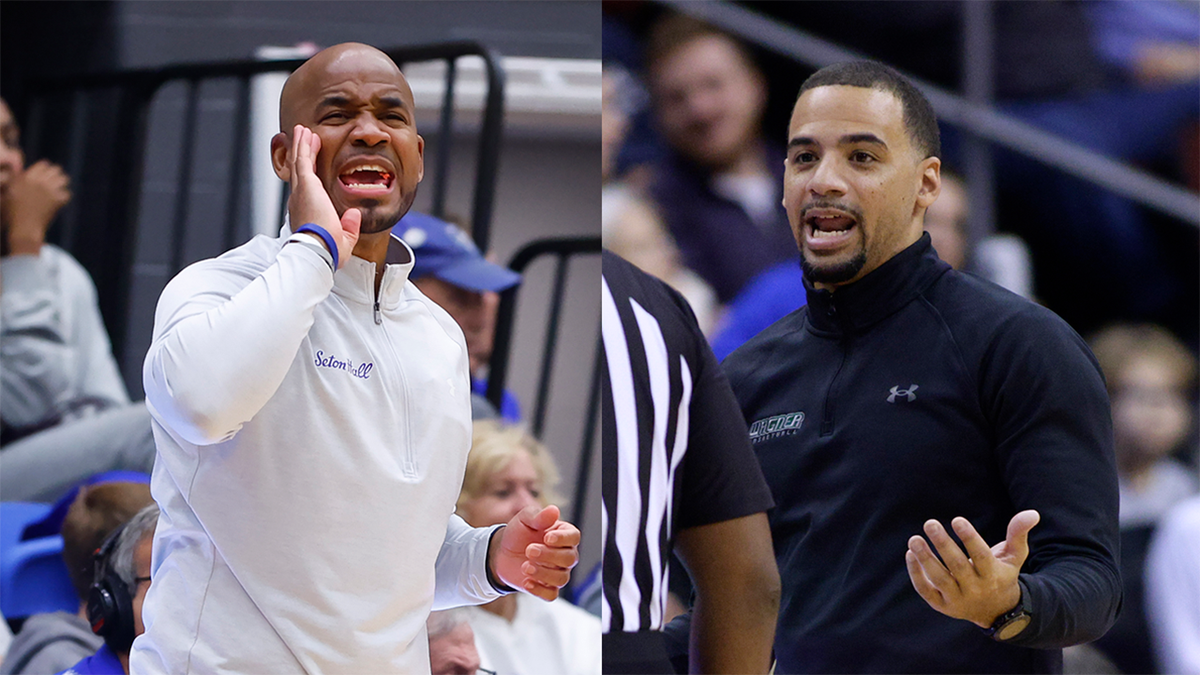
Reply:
x=907, y=393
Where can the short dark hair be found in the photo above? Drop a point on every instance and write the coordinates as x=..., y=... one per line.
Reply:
x=95, y=513
x=674, y=31
x=919, y=119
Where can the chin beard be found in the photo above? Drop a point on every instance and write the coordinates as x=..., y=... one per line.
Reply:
x=376, y=220
x=838, y=273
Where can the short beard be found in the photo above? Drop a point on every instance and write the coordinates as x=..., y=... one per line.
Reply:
x=833, y=274
x=374, y=221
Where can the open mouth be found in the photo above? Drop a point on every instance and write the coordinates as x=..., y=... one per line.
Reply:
x=828, y=228
x=367, y=178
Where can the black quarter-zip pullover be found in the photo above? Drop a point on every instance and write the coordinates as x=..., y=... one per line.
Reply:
x=925, y=393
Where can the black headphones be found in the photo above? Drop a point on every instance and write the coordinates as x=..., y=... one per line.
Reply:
x=109, y=605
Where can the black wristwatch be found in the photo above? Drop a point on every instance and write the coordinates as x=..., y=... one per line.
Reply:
x=1010, y=624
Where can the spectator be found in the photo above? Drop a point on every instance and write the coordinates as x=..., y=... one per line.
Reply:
x=1173, y=589
x=1150, y=377
x=64, y=411
x=718, y=190
x=118, y=590
x=49, y=643
x=630, y=225
x=507, y=471
x=1154, y=43
x=450, y=270
x=1000, y=258
x=451, y=643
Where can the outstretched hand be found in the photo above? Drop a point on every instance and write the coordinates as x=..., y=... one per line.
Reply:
x=978, y=588
x=536, y=552
x=310, y=203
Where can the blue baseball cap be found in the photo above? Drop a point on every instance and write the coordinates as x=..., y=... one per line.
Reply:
x=444, y=251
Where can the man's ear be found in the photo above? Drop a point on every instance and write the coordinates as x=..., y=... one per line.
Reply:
x=420, y=158
x=281, y=143
x=931, y=182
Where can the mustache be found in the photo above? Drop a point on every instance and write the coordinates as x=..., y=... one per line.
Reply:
x=831, y=204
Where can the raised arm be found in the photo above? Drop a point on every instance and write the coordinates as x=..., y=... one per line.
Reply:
x=224, y=338
x=55, y=355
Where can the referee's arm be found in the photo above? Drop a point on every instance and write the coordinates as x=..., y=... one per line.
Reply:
x=732, y=565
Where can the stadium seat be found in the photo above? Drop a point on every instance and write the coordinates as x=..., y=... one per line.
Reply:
x=15, y=516
x=33, y=577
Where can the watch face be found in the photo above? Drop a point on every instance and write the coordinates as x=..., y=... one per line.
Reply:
x=1013, y=627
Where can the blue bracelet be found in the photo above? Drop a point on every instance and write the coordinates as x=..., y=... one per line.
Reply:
x=325, y=236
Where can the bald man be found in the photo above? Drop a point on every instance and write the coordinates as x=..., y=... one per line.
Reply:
x=312, y=414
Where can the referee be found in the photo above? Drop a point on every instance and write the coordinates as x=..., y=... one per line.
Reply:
x=678, y=471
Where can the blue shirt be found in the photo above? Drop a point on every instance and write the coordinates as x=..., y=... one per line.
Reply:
x=103, y=662
x=510, y=408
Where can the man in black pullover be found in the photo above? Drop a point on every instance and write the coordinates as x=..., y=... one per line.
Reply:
x=932, y=441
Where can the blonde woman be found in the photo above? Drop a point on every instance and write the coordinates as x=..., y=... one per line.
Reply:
x=518, y=634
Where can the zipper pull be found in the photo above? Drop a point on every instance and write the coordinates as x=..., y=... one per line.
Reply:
x=378, y=316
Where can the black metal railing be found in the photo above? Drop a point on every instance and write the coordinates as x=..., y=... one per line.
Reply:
x=98, y=127
x=563, y=251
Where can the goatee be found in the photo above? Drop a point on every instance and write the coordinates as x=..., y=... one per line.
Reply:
x=838, y=273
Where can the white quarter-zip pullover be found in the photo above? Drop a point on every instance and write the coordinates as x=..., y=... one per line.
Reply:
x=312, y=440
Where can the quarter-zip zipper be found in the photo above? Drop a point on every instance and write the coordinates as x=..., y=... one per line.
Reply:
x=831, y=393
x=827, y=418
x=409, y=467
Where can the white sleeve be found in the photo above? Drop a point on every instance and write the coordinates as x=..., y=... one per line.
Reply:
x=461, y=568
x=1173, y=589
x=224, y=340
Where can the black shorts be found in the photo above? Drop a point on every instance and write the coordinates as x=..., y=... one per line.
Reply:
x=636, y=654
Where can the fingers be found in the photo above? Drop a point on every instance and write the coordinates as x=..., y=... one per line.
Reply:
x=544, y=592
x=562, y=534
x=1017, y=539
x=933, y=569
x=351, y=226
x=303, y=159
x=50, y=176
x=352, y=222
x=302, y=156
x=565, y=558
x=981, y=554
x=547, y=576
x=920, y=582
x=952, y=556
x=536, y=519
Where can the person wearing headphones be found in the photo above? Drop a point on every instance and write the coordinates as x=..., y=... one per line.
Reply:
x=114, y=606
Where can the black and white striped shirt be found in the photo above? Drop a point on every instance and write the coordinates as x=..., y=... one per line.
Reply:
x=665, y=399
